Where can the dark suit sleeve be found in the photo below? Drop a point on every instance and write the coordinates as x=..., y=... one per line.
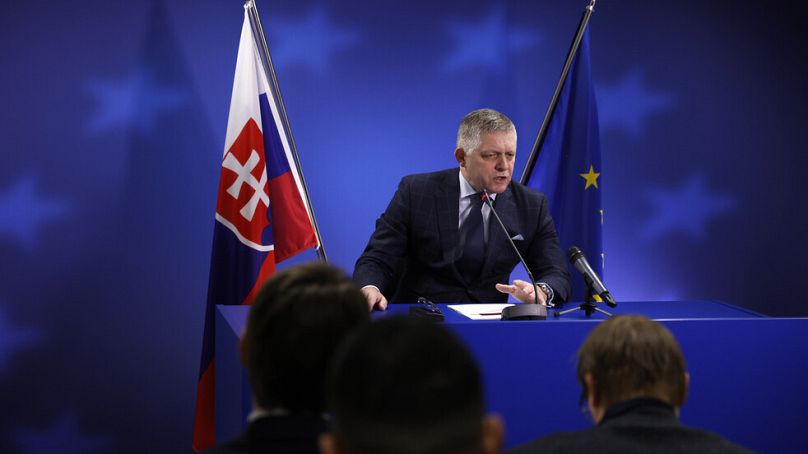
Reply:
x=378, y=264
x=545, y=257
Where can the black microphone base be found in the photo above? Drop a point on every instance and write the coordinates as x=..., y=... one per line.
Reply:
x=525, y=311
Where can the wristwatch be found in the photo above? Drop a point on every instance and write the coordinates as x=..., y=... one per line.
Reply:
x=548, y=291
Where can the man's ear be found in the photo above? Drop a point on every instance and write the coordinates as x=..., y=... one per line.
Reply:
x=493, y=434
x=593, y=399
x=460, y=155
x=327, y=444
x=686, y=390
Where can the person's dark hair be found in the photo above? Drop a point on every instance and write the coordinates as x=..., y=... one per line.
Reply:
x=295, y=325
x=403, y=385
x=630, y=356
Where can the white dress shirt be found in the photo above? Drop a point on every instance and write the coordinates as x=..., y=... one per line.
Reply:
x=466, y=192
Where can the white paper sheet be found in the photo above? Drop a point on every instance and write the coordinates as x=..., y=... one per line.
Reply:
x=480, y=311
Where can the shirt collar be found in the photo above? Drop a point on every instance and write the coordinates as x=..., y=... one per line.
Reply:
x=466, y=189
x=258, y=412
x=642, y=403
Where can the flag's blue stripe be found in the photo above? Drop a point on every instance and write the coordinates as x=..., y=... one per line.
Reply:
x=233, y=271
x=234, y=268
x=277, y=164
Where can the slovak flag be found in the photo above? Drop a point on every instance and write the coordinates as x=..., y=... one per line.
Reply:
x=262, y=217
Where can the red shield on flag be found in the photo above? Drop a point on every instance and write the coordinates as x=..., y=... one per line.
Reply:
x=243, y=188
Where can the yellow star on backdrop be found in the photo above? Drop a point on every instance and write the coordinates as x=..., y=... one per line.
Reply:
x=591, y=178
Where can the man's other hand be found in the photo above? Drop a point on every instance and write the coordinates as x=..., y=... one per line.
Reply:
x=375, y=298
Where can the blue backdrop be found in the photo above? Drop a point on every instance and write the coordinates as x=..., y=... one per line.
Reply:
x=113, y=123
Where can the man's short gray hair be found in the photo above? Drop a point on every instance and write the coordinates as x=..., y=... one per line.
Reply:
x=478, y=122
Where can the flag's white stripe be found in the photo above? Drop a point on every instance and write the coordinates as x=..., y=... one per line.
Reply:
x=244, y=100
x=245, y=241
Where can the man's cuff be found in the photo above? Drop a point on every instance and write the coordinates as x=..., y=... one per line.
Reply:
x=370, y=286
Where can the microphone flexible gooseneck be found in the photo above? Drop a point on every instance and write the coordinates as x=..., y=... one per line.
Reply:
x=534, y=311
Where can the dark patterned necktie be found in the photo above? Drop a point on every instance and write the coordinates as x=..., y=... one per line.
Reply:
x=472, y=241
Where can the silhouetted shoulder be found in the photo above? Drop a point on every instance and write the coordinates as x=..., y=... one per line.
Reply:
x=630, y=440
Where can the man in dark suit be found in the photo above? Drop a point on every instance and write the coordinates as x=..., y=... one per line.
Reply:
x=634, y=381
x=436, y=238
x=295, y=324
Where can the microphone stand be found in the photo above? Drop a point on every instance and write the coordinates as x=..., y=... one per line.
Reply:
x=524, y=311
x=588, y=306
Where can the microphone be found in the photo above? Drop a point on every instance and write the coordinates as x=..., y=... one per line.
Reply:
x=580, y=263
x=534, y=311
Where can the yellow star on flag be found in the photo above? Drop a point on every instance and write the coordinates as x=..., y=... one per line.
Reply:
x=591, y=178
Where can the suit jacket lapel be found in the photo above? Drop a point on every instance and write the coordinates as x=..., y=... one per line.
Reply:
x=447, y=199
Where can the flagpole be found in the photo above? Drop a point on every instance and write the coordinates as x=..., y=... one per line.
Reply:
x=269, y=70
x=576, y=42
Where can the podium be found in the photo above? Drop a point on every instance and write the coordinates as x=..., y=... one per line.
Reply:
x=747, y=371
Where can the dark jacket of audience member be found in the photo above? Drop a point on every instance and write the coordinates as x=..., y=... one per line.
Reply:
x=295, y=324
x=405, y=386
x=634, y=381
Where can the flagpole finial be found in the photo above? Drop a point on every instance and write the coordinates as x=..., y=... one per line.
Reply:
x=591, y=6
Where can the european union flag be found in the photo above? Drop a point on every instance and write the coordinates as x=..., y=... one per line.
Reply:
x=568, y=169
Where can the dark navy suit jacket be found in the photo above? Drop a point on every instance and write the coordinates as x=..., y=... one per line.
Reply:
x=296, y=434
x=642, y=426
x=415, y=245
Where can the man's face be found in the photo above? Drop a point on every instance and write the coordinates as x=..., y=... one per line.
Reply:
x=491, y=165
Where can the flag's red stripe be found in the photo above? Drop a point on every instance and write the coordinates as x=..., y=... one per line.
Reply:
x=205, y=416
x=267, y=270
x=291, y=227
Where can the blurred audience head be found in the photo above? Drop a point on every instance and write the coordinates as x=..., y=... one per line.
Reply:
x=295, y=325
x=406, y=386
x=628, y=357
